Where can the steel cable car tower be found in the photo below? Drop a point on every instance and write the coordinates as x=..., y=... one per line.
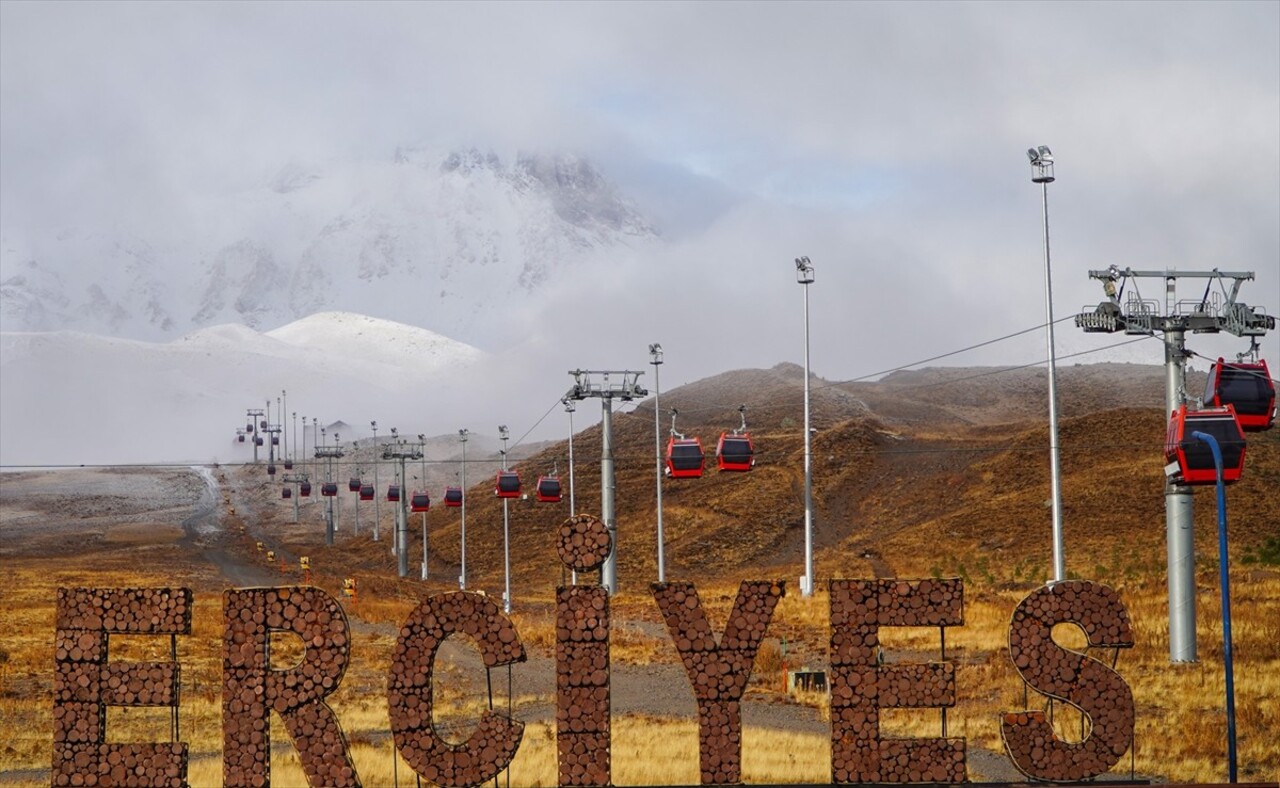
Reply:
x=329, y=454
x=606, y=390
x=253, y=414
x=398, y=449
x=1213, y=313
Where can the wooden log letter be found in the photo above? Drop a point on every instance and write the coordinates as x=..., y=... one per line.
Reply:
x=719, y=672
x=861, y=686
x=85, y=684
x=252, y=689
x=583, y=707
x=493, y=743
x=1080, y=681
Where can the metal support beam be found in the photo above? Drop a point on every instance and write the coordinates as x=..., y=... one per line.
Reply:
x=607, y=385
x=401, y=450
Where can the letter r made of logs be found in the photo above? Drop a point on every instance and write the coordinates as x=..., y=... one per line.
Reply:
x=718, y=672
x=252, y=689
x=861, y=685
x=85, y=684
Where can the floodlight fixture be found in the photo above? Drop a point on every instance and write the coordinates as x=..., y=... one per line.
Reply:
x=1041, y=164
x=804, y=271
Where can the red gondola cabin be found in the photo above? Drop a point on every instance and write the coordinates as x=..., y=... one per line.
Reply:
x=420, y=502
x=329, y=489
x=353, y=484
x=288, y=465
x=453, y=496
x=304, y=490
x=1193, y=456
x=286, y=492
x=735, y=452
x=507, y=485
x=367, y=492
x=685, y=458
x=271, y=470
x=1245, y=387
x=393, y=493
x=549, y=489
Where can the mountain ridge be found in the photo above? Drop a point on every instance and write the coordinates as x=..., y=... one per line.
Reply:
x=448, y=239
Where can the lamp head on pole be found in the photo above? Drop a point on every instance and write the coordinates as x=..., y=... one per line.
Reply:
x=655, y=354
x=462, y=434
x=1041, y=164
x=502, y=432
x=804, y=271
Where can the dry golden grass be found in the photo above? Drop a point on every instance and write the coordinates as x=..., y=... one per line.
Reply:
x=1181, y=724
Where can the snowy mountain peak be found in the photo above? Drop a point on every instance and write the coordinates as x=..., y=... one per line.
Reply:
x=373, y=339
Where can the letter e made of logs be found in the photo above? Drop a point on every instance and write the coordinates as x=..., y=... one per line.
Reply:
x=861, y=685
x=85, y=684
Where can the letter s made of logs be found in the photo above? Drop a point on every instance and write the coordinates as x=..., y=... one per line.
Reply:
x=1078, y=680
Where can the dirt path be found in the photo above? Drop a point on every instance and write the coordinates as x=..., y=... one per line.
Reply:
x=205, y=535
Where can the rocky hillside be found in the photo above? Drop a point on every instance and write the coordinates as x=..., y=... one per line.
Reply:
x=932, y=471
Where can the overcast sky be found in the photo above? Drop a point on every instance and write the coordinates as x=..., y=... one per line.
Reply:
x=883, y=140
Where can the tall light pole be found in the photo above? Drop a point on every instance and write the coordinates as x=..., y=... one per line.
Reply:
x=804, y=276
x=284, y=440
x=569, y=407
x=1042, y=173
x=376, y=492
x=422, y=441
x=506, y=528
x=462, y=577
x=655, y=358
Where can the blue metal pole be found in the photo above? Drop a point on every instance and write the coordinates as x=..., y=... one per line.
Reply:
x=1224, y=582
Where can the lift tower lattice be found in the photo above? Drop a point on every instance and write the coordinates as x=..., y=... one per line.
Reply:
x=401, y=450
x=1215, y=311
x=329, y=454
x=604, y=385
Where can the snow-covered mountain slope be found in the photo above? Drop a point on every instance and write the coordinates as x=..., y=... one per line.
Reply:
x=368, y=339
x=453, y=240
x=134, y=401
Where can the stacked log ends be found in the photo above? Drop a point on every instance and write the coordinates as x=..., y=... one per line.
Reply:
x=582, y=686
x=719, y=672
x=493, y=743
x=120, y=764
x=1086, y=683
x=85, y=684
x=861, y=686
x=251, y=689
x=583, y=542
